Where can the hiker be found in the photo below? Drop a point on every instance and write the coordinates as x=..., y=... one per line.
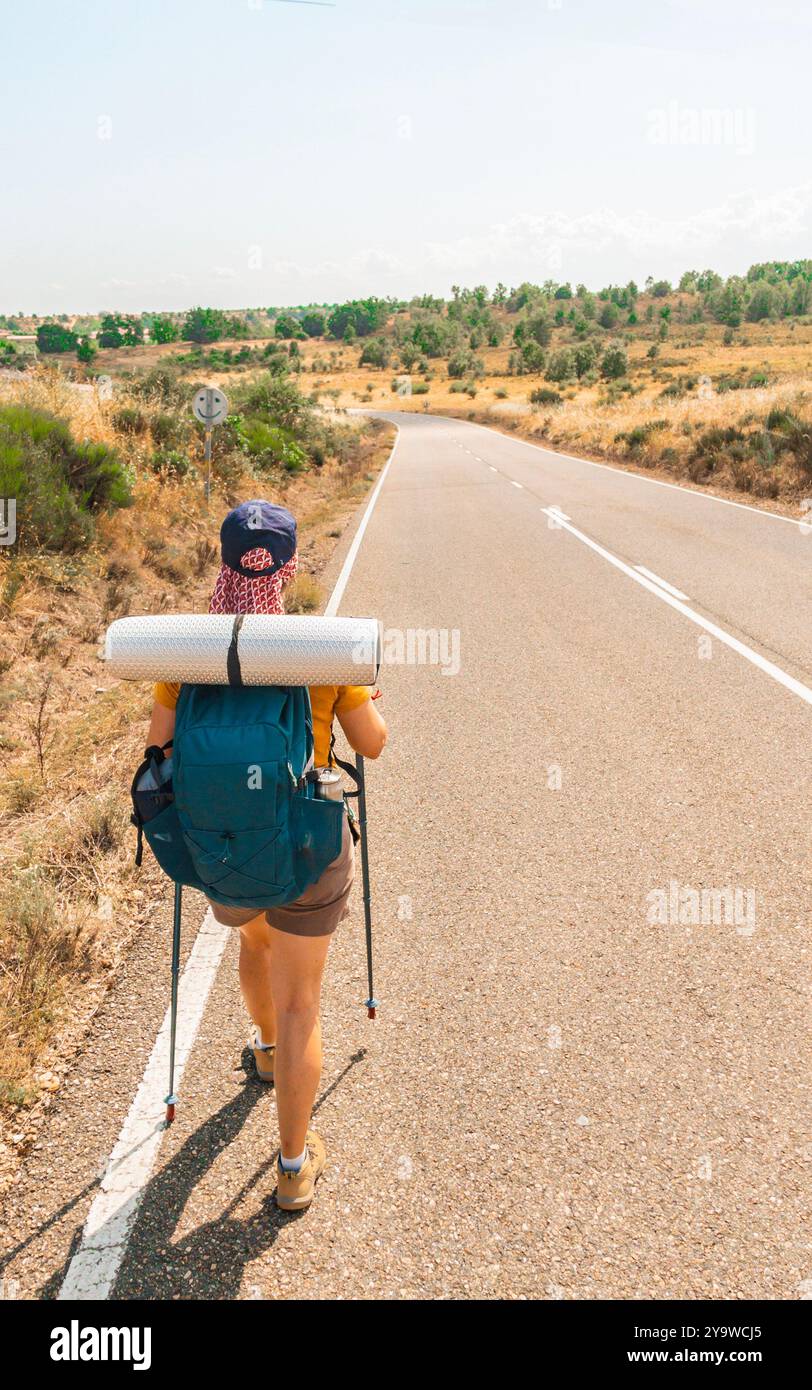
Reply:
x=283, y=949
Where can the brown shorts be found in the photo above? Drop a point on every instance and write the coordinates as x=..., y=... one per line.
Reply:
x=320, y=908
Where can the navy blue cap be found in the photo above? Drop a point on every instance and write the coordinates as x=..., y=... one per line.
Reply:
x=255, y=524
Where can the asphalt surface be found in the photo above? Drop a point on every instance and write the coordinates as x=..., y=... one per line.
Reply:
x=560, y=1098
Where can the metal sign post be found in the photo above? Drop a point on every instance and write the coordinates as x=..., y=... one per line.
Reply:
x=210, y=407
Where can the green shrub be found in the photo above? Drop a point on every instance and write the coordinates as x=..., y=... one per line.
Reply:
x=544, y=396
x=162, y=383
x=166, y=429
x=58, y=483
x=463, y=363
x=271, y=444
x=676, y=390
x=561, y=365
x=128, y=419
x=636, y=438
x=375, y=354
x=614, y=363
x=170, y=461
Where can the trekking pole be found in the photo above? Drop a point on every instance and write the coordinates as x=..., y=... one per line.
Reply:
x=171, y=1099
x=371, y=1002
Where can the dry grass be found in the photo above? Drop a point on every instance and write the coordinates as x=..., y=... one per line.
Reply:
x=589, y=421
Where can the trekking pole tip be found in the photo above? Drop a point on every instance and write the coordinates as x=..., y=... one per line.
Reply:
x=371, y=1006
x=170, y=1103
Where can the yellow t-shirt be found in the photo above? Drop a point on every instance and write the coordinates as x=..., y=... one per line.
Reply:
x=326, y=701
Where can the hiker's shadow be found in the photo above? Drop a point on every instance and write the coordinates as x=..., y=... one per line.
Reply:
x=208, y=1263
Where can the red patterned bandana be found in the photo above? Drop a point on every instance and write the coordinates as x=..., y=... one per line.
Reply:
x=236, y=593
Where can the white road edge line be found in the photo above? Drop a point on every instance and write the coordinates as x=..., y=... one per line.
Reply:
x=346, y=569
x=92, y=1273
x=664, y=584
x=803, y=523
x=93, y=1270
x=789, y=682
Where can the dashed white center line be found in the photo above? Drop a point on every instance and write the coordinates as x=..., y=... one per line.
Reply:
x=755, y=658
x=513, y=483
x=664, y=584
x=493, y=470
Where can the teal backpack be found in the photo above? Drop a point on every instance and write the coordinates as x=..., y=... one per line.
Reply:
x=232, y=810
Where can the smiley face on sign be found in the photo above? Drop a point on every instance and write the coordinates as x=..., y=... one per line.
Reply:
x=210, y=406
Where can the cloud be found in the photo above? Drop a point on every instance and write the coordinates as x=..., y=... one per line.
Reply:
x=224, y=272
x=537, y=238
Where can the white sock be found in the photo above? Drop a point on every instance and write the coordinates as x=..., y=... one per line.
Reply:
x=258, y=1039
x=292, y=1165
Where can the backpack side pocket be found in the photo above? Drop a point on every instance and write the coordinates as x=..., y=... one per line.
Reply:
x=316, y=828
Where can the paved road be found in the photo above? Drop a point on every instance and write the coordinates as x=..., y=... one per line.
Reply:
x=561, y=1098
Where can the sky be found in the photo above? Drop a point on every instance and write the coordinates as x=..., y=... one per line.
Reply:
x=241, y=153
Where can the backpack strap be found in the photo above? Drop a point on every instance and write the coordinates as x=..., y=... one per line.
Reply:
x=350, y=770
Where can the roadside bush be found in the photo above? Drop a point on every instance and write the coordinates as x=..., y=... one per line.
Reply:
x=128, y=419
x=544, y=396
x=170, y=461
x=162, y=384
x=635, y=439
x=167, y=430
x=58, y=483
x=271, y=445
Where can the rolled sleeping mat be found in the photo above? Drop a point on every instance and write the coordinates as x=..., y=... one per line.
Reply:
x=249, y=649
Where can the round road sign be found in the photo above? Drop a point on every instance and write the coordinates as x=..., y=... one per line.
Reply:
x=210, y=406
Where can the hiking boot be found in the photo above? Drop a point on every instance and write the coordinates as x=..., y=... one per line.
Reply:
x=263, y=1058
x=294, y=1191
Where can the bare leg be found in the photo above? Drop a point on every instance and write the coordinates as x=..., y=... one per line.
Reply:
x=255, y=975
x=297, y=965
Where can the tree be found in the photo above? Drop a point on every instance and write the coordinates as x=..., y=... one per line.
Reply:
x=433, y=336
x=314, y=324
x=614, y=362
x=584, y=356
x=86, y=351
x=660, y=289
x=53, y=337
x=121, y=330
x=364, y=315
x=539, y=328
x=204, y=325
x=164, y=329
x=609, y=315
x=287, y=326
x=463, y=363
x=409, y=354
x=375, y=353
x=532, y=357
x=727, y=304
x=561, y=365
x=763, y=302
